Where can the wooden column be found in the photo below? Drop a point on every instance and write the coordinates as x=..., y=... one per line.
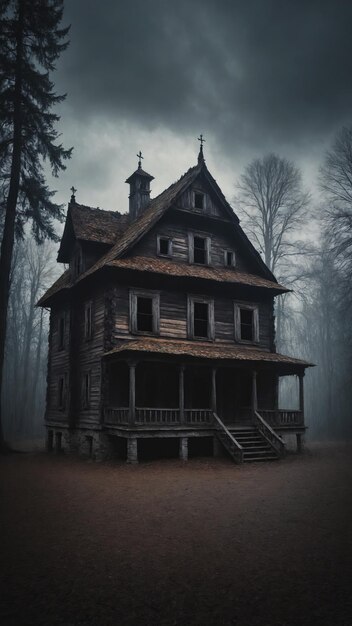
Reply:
x=181, y=389
x=301, y=393
x=213, y=389
x=254, y=392
x=132, y=393
x=276, y=397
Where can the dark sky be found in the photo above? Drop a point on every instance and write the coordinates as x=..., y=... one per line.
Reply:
x=253, y=76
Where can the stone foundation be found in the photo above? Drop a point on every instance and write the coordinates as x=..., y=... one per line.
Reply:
x=87, y=443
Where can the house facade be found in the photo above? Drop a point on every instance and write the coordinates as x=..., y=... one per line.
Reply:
x=162, y=328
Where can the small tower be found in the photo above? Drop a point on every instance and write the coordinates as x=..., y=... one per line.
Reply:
x=139, y=182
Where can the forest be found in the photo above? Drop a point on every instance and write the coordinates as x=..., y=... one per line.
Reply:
x=308, y=246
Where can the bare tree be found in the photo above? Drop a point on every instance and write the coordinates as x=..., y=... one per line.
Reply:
x=272, y=203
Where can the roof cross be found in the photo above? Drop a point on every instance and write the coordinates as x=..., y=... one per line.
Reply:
x=200, y=138
x=140, y=157
x=73, y=197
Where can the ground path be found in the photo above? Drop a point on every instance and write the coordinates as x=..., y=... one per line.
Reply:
x=199, y=543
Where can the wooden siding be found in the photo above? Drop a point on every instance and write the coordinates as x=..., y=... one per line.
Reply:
x=179, y=233
x=58, y=366
x=173, y=316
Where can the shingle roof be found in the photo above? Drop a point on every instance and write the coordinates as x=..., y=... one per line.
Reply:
x=204, y=350
x=185, y=270
x=63, y=282
x=97, y=225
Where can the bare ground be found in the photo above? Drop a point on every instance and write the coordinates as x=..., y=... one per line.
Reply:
x=200, y=543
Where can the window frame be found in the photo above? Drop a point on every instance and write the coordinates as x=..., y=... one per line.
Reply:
x=88, y=320
x=155, y=297
x=226, y=252
x=199, y=192
x=62, y=392
x=170, y=246
x=255, y=322
x=207, y=239
x=191, y=299
x=86, y=387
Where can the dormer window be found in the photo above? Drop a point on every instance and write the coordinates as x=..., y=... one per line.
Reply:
x=164, y=246
x=199, y=249
x=229, y=258
x=199, y=200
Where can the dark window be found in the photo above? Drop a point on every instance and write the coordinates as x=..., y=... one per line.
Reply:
x=61, y=393
x=200, y=250
x=144, y=314
x=200, y=319
x=144, y=185
x=86, y=390
x=198, y=200
x=88, y=321
x=165, y=246
x=229, y=258
x=61, y=331
x=246, y=318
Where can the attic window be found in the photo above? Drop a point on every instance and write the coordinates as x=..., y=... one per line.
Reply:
x=199, y=200
x=201, y=250
x=229, y=258
x=164, y=246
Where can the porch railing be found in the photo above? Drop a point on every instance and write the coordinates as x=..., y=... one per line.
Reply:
x=282, y=417
x=269, y=434
x=150, y=415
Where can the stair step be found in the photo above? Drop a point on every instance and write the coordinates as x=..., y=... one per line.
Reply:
x=260, y=459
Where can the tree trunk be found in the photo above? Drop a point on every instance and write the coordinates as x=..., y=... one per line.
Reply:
x=11, y=204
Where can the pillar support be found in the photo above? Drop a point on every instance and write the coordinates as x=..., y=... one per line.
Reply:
x=183, y=449
x=213, y=390
x=132, y=392
x=254, y=392
x=132, y=450
x=181, y=392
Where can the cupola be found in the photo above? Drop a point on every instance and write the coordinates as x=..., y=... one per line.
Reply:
x=139, y=182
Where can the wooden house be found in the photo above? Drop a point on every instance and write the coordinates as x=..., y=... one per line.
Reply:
x=162, y=328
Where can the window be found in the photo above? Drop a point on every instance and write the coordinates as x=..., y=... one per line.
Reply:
x=61, y=332
x=61, y=392
x=164, y=246
x=145, y=307
x=229, y=258
x=199, y=198
x=199, y=249
x=88, y=320
x=86, y=390
x=200, y=318
x=246, y=323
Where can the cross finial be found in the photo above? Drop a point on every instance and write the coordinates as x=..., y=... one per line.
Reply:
x=201, y=155
x=140, y=157
x=73, y=197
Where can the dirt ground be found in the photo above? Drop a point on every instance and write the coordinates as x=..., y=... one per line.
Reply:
x=198, y=543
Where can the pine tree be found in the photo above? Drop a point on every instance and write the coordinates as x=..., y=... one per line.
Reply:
x=31, y=41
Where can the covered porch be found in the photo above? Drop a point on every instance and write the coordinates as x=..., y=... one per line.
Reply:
x=159, y=393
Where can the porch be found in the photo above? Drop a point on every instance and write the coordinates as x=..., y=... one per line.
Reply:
x=159, y=395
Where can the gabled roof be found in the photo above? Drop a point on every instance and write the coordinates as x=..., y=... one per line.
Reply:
x=158, y=207
x=88, y=224
x=205, y=350
x=63, y=282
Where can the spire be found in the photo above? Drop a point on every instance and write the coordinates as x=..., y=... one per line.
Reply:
x=139, y=182
x=201, y=155
x=140, y=157
x=73, y=197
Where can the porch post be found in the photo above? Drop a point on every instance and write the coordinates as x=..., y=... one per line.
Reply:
x=254, y=392
x=132, y=392
x=181, y=392
x=213, y=389
x=132, y=450
x=301, y=394
x=276, y=398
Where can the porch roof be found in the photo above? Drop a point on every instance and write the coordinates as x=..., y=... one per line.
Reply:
x=203, y=350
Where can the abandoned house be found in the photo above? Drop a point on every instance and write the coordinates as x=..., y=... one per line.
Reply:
x=162, y=330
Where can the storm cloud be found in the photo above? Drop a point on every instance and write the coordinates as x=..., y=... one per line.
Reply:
x=253, y=76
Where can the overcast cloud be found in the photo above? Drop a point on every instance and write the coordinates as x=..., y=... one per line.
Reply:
x=253, y=76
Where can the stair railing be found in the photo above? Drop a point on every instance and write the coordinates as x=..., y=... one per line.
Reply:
x=269, y=434
x=228, y=440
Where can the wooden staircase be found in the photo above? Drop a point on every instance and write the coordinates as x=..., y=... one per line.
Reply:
x=254, y=445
